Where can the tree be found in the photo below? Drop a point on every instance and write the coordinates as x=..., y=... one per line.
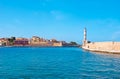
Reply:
x=11, y=40
x=73, y=43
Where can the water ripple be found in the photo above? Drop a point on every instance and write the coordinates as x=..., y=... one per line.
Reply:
x=57, y=63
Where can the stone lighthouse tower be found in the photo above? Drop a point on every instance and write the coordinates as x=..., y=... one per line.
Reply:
x=85, y=37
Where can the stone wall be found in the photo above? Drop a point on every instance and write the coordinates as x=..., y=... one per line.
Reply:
x=57, y=44
x=40, y=43
x=105, y=46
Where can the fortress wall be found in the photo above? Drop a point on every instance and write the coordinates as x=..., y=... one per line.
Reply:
x=111, y=46
x=116, y=46
x=57, y=44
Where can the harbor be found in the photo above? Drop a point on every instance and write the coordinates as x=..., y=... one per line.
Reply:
x=56, y=63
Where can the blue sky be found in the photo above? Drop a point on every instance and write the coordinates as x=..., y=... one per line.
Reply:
x=61, y=19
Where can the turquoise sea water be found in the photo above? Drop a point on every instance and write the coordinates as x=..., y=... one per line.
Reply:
x=56, y=63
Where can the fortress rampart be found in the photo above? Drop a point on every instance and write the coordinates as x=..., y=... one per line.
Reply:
x=103, y=46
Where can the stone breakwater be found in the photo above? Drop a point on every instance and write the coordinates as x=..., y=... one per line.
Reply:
x=104, y=47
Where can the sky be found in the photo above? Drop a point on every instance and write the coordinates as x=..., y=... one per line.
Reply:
x=61, y=19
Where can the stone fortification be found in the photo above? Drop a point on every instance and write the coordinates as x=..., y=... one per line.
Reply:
x=113, y=47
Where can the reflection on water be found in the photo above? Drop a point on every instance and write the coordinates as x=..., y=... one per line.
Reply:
x=57, y=63
x=107, y=54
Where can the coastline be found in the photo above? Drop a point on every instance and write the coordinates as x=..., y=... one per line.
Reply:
x=102, y=51
x=39, y=46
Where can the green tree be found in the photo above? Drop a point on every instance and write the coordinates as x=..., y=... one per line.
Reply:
x=73, y=43
x=11, y=40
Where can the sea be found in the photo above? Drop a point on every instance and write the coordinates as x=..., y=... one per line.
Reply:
x=57, y=63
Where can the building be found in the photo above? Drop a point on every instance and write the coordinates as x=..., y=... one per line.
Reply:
x=4, y=42
x=21, y=42
x=53, y=40
x=34, y=41
x=58, y=44
x=37, y=41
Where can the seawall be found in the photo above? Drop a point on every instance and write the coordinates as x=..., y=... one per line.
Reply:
x=104, y=47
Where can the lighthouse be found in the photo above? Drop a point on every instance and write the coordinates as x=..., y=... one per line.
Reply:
x=85, y=37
